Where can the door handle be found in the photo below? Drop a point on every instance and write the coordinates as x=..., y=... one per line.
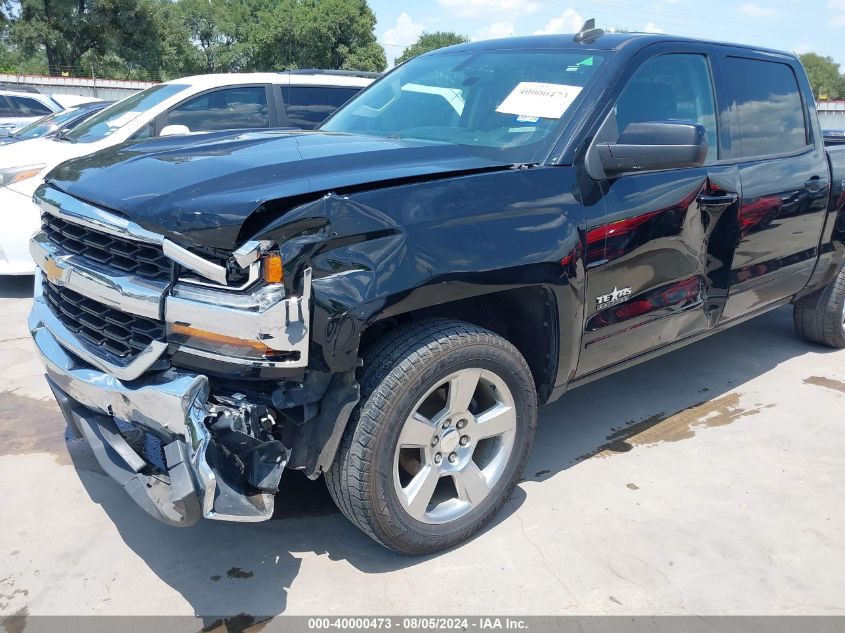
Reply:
x=717, y=202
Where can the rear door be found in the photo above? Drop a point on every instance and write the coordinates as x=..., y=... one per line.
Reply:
x=784, y=180
x=659, y=252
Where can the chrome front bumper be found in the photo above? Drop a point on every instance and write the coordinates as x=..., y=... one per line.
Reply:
x=172, y=405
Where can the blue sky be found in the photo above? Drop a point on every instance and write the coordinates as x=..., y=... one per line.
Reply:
x=796, y=25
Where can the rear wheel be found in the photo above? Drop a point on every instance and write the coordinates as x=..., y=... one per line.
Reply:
x=440, y=438
x=820, y=317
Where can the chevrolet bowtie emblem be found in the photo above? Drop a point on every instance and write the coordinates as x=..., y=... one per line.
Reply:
x=51, y=269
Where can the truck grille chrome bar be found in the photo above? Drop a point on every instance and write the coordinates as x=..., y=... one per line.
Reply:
x=114, y=332
x=96, y=356
x=60, y=205
x=127, y=256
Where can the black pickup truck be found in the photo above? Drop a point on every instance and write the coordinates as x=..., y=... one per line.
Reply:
x=385, y=301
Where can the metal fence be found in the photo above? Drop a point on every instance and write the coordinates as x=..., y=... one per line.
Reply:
x=108, y=89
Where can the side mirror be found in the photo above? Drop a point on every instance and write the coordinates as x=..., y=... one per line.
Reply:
x=172, y=130
x=655, y=145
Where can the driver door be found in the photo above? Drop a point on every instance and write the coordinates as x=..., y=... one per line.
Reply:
x=659, y=252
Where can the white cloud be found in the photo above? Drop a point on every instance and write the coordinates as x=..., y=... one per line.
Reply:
x=495, y=30
x=480, y=8
x=404, y=33
x=754, y=10
x=651, y=27
x=838, y=9
x=569, y=22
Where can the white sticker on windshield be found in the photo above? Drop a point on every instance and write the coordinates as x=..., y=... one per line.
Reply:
x=532, y=99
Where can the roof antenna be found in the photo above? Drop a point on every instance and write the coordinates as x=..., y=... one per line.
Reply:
x=588, y=33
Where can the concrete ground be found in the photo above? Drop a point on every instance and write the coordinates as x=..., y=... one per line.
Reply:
x=708, y=481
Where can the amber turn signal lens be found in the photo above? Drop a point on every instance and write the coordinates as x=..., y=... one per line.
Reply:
x=272, y=270
x=191, y=334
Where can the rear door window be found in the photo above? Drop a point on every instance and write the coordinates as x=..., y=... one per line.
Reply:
x=308, y=106
x=225, y=109
x=769, y=108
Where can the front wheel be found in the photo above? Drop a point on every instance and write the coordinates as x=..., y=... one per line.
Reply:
x=440, y=438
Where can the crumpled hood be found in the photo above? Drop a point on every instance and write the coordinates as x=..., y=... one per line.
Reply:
x=201, y=189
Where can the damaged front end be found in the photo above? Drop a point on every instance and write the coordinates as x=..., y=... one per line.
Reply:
x=191, y=384
x=179, y=452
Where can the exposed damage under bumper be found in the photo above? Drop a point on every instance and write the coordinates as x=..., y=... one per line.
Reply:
x=178, y=452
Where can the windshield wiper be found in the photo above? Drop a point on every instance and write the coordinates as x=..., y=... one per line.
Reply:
x=62, y=136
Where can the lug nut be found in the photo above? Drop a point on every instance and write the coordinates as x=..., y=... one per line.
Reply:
x=464, y=440
x=453, y=457
x=438, y=458
x=447, y=423
x=434, y=440
x=462, y=423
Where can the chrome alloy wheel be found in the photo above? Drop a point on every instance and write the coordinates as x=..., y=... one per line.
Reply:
x=455, y=445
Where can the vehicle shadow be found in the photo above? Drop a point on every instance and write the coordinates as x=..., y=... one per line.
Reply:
x=17, y=287
x=239, y=574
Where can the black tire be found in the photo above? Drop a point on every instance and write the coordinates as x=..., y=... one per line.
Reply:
x=820, y=317
x=398, y=371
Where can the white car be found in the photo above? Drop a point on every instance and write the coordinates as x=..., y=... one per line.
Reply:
x=192, y=104
x=18, y=108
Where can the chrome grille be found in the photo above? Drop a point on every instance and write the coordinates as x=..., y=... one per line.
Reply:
x=118, y=333
x=135, y=258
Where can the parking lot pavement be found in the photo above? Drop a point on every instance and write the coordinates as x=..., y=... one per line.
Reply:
x=708, y=481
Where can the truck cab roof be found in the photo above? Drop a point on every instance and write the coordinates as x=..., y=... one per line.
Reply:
x=630, y=42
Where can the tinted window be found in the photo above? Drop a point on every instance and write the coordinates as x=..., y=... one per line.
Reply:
x=769, y=107
x=670, y=88
x=308, y=106
x=226, y=109
x=29, y=107
x=6, y=109
x=122, y=113
x=509, y=105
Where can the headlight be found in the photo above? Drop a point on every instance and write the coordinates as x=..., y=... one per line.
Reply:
x=12, y=175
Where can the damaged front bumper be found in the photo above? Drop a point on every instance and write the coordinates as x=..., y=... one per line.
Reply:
x=201, y=476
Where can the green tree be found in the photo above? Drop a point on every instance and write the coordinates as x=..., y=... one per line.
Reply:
x=825, y=79
x=161, y=39
x=335, y=34
x=431, y=42
x=219, y=31
x=67, y=30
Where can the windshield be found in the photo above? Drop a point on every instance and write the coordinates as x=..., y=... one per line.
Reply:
x=121, y=113
x=510, y=103
x=46, y=124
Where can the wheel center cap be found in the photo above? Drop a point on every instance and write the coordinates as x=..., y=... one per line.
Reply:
x=450, y=440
